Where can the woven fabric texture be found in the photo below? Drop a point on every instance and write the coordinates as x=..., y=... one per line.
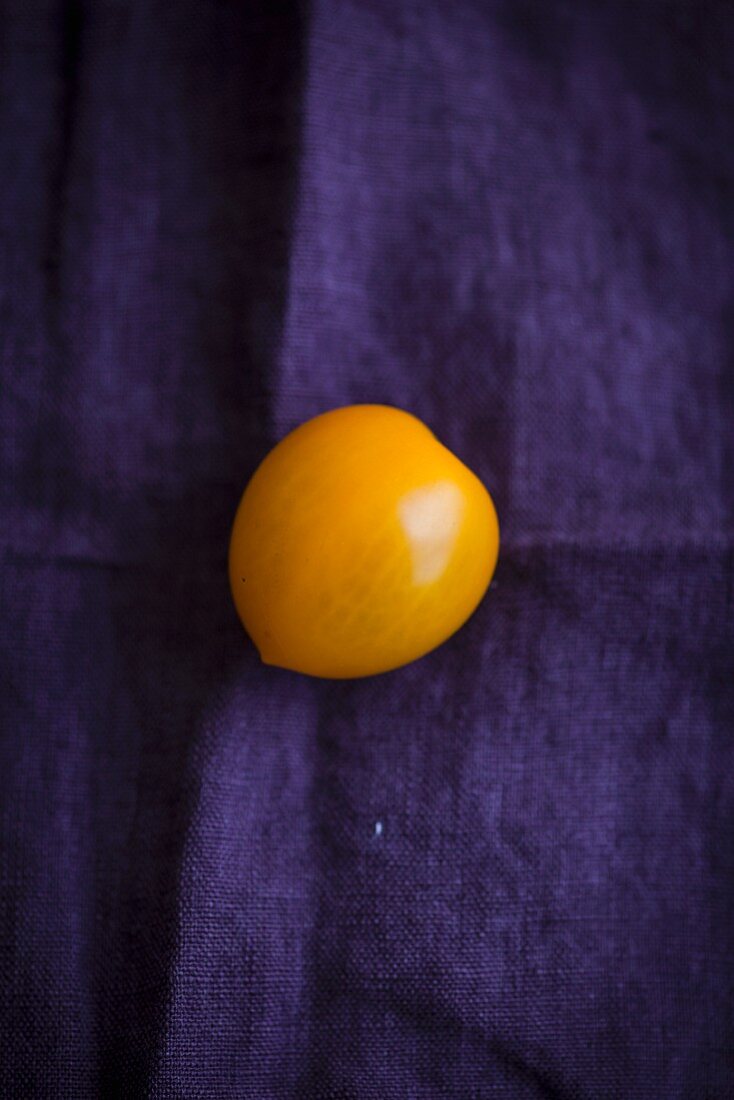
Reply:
x=506, y=870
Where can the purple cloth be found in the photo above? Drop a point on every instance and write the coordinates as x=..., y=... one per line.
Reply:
x=508, y=869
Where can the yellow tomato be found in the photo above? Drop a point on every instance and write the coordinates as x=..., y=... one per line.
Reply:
x=360, y=543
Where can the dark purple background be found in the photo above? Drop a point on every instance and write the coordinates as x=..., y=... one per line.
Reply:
x=515, y=220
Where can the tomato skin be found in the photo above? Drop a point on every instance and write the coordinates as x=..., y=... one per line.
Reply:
x=360, y=544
